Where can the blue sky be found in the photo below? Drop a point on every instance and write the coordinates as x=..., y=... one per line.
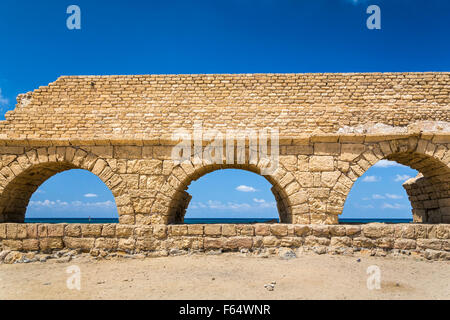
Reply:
x=232, y=36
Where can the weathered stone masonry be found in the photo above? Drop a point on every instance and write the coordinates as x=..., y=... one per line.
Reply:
x=120, y=128
x=428, y=241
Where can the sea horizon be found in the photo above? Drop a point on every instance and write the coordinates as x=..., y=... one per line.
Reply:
x=211, y=220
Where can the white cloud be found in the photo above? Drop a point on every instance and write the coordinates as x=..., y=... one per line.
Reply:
x=395, y=206
x=3, y=100
x=259, y=200
x=371, y=179
x=386, y=195
x=393, y=196
x=219, y=205
x=91, y=195
x=244, y=188
x=49, y=203
x=386, y=164
x=364, y=206
x=74, y=205
x=101, y=204
x=402, y=177
x=257, y=204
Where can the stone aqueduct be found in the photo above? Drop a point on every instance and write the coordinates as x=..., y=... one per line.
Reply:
x=333, y=127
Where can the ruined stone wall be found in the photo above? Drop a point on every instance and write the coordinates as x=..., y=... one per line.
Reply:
x=332, y=128
x=429, y=241
x=430, y=202
x=151, y=107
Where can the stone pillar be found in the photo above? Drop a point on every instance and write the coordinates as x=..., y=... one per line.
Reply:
x=183, y=204
x=430, y=200
x=282, y=206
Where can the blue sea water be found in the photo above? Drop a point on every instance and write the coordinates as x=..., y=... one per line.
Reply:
x=203, y=220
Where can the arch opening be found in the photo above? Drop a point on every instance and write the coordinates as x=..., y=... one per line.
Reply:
x=23, y=193
x=180, y=202
x=404, y=185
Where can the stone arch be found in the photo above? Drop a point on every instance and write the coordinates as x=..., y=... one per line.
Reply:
x=24, y=173
x=429, y=192
x=172, y=199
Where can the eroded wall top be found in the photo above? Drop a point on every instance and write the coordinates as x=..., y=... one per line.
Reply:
x=152, y=106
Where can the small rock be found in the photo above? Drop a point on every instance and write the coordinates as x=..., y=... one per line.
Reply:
x=30, y=255
x=13, y=257
x=176, y=252
x=358, y=260
x=64, y=259
x=103, y=253
x=156, y=254
x=428, y=254
x=3, y=254
x=62, y=252
x=214, y=252
x=72, y=253
x=286, y=254
x=320, y=250
x=269, y=286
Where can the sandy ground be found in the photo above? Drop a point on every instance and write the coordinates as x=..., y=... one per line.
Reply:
x=228, y=276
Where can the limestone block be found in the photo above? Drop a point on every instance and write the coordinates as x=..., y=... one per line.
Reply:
x=55, y=230
x=109, y=230
x=72, y=230
x=213, y=243
x=341, y=242
x=30, y=244
x=302, y=230
x=124, y=231
x=178, y=230
x=91, y=230
x=279, y=230
x=213, y=230
x=321, y=163
x=246, y=230
x=160, y=231
x=106, y=243
x=127, y=152
x=329, y=179
x=262, y=230
x=229, y=230
x=14, y=245
x=195, y=229
x=234, y=243
x=327, y=148
x=350, y=151
x=126, y=244
x=48, y=244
